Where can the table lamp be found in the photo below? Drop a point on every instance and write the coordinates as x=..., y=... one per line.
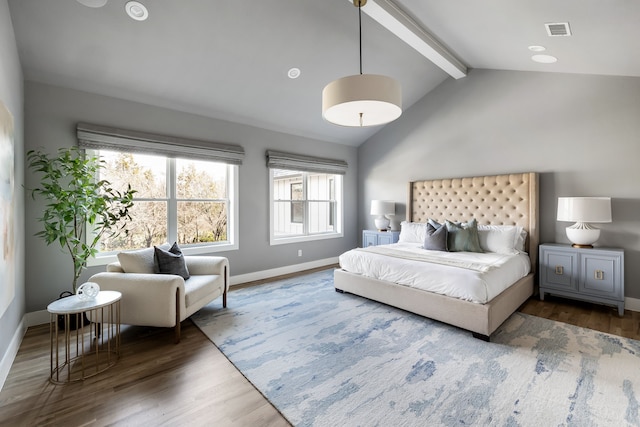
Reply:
x=584, y=210
x=382, y=208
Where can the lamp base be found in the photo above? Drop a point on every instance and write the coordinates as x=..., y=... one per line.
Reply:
x=382, y=223
x=583, y=235
x=575, y=245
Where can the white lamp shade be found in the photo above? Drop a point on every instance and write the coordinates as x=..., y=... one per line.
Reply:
x=383, y=207
x=362, y=100
x=584, y=209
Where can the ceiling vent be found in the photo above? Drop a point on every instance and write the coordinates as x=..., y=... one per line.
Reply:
x=558, y=29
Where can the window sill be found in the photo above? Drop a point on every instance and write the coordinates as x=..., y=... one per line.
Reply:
x=297, y=239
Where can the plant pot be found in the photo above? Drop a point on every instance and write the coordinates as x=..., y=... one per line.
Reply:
x=74, y=319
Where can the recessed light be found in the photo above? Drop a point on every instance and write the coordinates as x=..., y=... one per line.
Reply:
x=136, y=10
x=544, y=59
x=93, y=3
x=535, y=48
x=294, y=73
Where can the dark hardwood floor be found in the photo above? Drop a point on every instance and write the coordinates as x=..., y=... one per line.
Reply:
x=156, y=382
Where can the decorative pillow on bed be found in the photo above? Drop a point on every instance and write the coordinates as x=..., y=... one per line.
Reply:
x=412, y=232
x=170, y=261
x=463, y=236
x=501, y=239
x=436, y=238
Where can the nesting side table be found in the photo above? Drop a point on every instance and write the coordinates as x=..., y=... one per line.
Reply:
x=81, y=349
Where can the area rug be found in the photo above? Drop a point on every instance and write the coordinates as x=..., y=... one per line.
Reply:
x=329, y=359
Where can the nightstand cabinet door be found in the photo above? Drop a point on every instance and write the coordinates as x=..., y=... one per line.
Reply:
x=375, y=238
x=602, y=276
x=369, y=239
x=587, y=274
x=386, y=238
x=559, y=269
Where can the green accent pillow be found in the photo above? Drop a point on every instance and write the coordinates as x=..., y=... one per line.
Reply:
x=170, y=262
x=463, y=237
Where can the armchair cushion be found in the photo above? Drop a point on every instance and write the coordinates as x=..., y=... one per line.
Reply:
x=139, y=261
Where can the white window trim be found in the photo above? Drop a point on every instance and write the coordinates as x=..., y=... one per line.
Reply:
x=204, y=248
x=274, y=241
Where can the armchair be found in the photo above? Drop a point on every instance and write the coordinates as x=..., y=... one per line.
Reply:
x=164, y=300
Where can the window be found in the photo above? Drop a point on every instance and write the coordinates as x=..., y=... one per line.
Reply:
x=182, y=200
x=186, y=189
x=305, y=194
x=304, y=205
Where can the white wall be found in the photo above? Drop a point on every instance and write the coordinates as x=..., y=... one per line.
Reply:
x=581, y=133
x=51, y=115
x=12, y=97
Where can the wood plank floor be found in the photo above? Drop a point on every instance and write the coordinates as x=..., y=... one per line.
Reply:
x=159, y=383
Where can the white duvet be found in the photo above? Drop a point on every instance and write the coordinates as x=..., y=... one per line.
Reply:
x=471, y=276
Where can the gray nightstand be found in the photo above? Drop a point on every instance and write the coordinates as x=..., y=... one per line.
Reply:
x=594, y=275
x=375, y=237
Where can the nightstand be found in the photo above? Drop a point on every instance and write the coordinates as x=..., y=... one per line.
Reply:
x=594, y=275
x=375, y=237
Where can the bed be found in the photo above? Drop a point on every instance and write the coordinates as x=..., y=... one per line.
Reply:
x=510, y=199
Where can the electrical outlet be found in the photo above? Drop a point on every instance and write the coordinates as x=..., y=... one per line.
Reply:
x=299, y=252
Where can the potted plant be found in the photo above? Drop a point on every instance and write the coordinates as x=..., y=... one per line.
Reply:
x=80, y=208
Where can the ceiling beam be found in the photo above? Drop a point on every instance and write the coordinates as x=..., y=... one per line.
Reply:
x=394, y=19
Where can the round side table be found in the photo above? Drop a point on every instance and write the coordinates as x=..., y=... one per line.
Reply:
x=85, y=336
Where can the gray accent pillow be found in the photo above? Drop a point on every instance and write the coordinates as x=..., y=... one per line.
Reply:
x=463, y=236
x=170, y=262
x=435, y=224
x=436, y=238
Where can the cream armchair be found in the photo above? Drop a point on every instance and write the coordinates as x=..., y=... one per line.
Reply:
x=164, y=300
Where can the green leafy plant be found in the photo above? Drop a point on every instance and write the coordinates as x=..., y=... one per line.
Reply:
x=78, y=203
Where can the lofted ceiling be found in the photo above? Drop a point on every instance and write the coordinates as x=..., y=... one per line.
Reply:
x=229, y=59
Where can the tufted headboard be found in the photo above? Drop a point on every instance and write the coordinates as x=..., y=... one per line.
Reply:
x=497, y=200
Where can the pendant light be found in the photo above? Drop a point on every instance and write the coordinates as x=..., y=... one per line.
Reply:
x=362, y=99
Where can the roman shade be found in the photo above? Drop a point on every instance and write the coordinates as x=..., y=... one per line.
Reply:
x=299, y=162
x=110, y=138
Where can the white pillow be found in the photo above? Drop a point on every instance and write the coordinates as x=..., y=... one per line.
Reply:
x=139, y=261
x=412, y=232
x=501, y=239
x=521, y=238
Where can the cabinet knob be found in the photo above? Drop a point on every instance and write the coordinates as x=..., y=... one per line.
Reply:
x=598, y=275
x=559, y=270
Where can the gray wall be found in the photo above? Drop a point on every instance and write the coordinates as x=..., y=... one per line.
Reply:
x=581, y=133
x=51, y=114
x=12, y=97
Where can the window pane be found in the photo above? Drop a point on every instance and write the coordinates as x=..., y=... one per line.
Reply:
x=283, y=223
x=320, y=217
x=148, y=227
x=200, y=222
x=320, y=187
x=201, y=180
x=145, y=173
x=287, y=185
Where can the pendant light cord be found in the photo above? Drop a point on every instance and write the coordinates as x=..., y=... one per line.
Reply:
x=360, y=32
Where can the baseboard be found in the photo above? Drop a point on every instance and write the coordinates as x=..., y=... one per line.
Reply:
x=12, y=351
x=632, y=304
x=274, y=272
x=36, y=318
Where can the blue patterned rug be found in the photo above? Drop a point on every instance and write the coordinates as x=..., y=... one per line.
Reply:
x=329, y=359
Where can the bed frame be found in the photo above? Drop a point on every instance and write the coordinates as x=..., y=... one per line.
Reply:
x=496, y=200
